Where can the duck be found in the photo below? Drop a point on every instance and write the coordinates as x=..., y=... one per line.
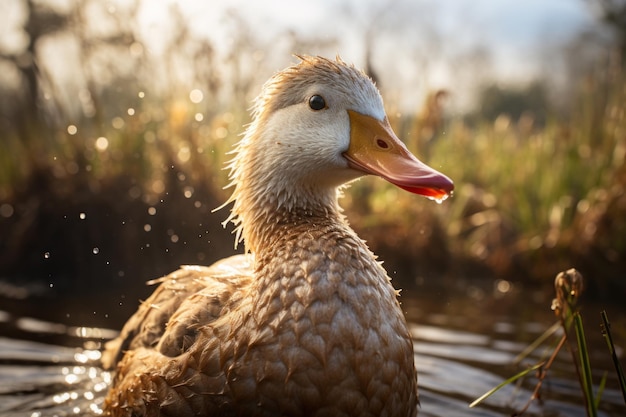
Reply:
x=306, y=322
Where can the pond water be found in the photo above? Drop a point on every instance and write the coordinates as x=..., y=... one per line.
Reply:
x=466, y=341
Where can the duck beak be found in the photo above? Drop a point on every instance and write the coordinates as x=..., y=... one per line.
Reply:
x=375, y=149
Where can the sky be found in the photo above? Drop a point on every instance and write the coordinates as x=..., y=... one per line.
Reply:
x=446, y=32
x=503, y=24
x=418, y=45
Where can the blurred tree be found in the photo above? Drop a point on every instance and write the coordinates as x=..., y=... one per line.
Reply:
x=514, y=102
x=106, y=53
x=241, y=63
x=41, y=21
x=613, y=14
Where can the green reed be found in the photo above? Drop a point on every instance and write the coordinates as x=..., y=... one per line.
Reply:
x=518, y=183
x=568, y=288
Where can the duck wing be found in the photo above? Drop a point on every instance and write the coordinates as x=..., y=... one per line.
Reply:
x=186, y=299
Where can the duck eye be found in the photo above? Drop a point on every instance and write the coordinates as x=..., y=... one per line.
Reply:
x=317, y=102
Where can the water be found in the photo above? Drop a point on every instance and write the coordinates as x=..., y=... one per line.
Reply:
x=466, y=341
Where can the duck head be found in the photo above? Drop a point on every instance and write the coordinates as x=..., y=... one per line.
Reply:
x=317, y=125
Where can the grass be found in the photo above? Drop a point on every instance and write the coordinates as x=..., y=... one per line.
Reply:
x=568, y=288
x=524, y=188
x=606, y=331
x=527, y=196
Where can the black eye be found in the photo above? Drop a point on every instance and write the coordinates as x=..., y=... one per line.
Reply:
x=317, y=102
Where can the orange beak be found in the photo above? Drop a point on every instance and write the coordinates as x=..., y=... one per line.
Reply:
x=375, y=149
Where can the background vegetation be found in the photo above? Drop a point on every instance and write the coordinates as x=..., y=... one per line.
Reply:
x=115, y=181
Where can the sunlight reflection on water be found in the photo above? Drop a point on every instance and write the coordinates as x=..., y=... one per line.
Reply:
x=456, y=364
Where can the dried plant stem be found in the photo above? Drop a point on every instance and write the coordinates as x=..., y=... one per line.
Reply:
x=606, y=331
x=542, y=375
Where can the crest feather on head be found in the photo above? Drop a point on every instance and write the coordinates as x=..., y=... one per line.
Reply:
x=287, y=86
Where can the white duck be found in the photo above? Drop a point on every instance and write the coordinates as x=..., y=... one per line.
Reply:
x=308, y=323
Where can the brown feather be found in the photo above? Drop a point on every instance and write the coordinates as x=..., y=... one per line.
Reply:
x=307, y=325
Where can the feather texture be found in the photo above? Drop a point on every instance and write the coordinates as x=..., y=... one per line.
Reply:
x=307, y=323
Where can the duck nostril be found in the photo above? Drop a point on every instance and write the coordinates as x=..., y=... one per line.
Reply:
x=382, y=144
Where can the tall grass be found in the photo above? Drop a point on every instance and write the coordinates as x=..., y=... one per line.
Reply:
x=540, y=175
x=520, y=188
x=523, y=188
x=568, y=288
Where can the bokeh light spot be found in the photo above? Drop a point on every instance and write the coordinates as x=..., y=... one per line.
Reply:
x=102, y=144
x=196, y=96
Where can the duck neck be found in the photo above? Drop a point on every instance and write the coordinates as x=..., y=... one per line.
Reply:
x=262, y=215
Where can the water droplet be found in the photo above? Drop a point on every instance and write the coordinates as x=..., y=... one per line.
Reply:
x=440, y=197
x=555, y=305
x=102, y=144
x=82, y=216
x=46, y=255
x=117, y=122
x=158, y=186
x=147, y=227
x=95, y=251
x=503, y=286
x=221, y=132
x=183, y=156
x=151, y=211
x=196, y=96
